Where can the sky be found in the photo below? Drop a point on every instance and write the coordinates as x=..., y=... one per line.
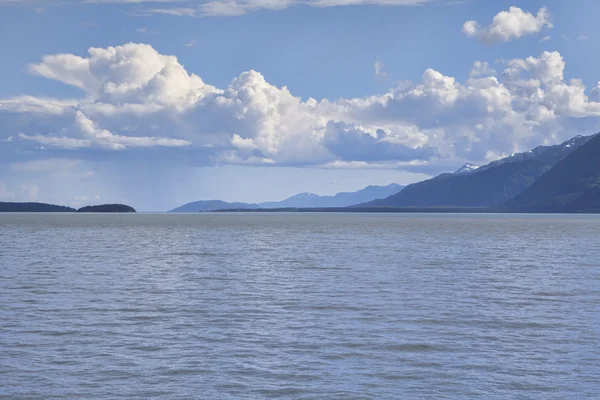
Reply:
x=156, y=103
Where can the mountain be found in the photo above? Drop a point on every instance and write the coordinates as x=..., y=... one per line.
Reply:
x=294, y=201
x=466, y=169
x=107, y=208
x=33, y=207
x=211, y=205
x=546, y=154
x=572, y=185
x=302, y=200
x=489, y=185
x=344, y=199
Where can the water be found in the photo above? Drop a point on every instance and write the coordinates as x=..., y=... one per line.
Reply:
x=299, y=306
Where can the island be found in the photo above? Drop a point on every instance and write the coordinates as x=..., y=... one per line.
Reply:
x=33, y=207
x=107, y=208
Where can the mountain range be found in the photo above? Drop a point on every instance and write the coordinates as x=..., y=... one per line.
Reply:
x=572, y=185
x=491, y=185
x=302, y=200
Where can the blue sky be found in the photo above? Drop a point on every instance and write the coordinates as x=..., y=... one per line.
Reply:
x=257, y=100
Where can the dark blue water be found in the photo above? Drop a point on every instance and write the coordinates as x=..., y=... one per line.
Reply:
x=299, y=306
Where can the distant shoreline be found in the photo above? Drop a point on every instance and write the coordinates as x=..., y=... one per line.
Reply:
x=402, y=210
x=52, y=208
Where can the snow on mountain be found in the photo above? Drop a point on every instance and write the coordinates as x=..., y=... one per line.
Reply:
x=467, y=168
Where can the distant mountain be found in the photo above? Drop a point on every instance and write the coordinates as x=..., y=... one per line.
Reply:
x=466, y=169
x=33, y=207
x=294, y=201
x=489, y=185
x=302, y=200
x=107, y=208
x=211, y=205
x=572, y=185
x=344, y=199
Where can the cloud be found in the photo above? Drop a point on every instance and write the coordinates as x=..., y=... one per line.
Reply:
x=355, y=143
x=36, y=105
x=54, y=141
x=133, y=97
x=379, y=70
x=95, y=136
x=108, y=140
x=131, y=73
x=582, y=37
x=235, y=8
x=481, y=69
x=145, y=30
x=509, y=25
x=545, y=38
x=216, y=8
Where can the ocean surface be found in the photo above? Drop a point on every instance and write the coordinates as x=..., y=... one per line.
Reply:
x=299, y=306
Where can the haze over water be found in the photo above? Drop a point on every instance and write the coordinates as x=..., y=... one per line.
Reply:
x=299, y=306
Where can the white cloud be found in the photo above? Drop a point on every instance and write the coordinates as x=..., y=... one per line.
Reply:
x=351, y=142
x=217, y=8
x=481, y=69
x=131, y=91
x=55, y=141
x=509, y=25
x=234, y=8
x=582, y=37
x=380, y=70
x=131, y=73
x=545, y=38
x=36, y=105
x=549, y=67
x=109, y=140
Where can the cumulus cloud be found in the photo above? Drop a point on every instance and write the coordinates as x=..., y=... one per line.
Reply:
x=481, y=69
x=109, y=140
x=509, y=25
x=132, y=73
x=134, y=97
x=355, y=143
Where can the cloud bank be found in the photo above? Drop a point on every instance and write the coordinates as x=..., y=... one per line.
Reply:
x=136, y=99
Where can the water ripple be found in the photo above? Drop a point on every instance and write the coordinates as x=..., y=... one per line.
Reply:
x=289, y=306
